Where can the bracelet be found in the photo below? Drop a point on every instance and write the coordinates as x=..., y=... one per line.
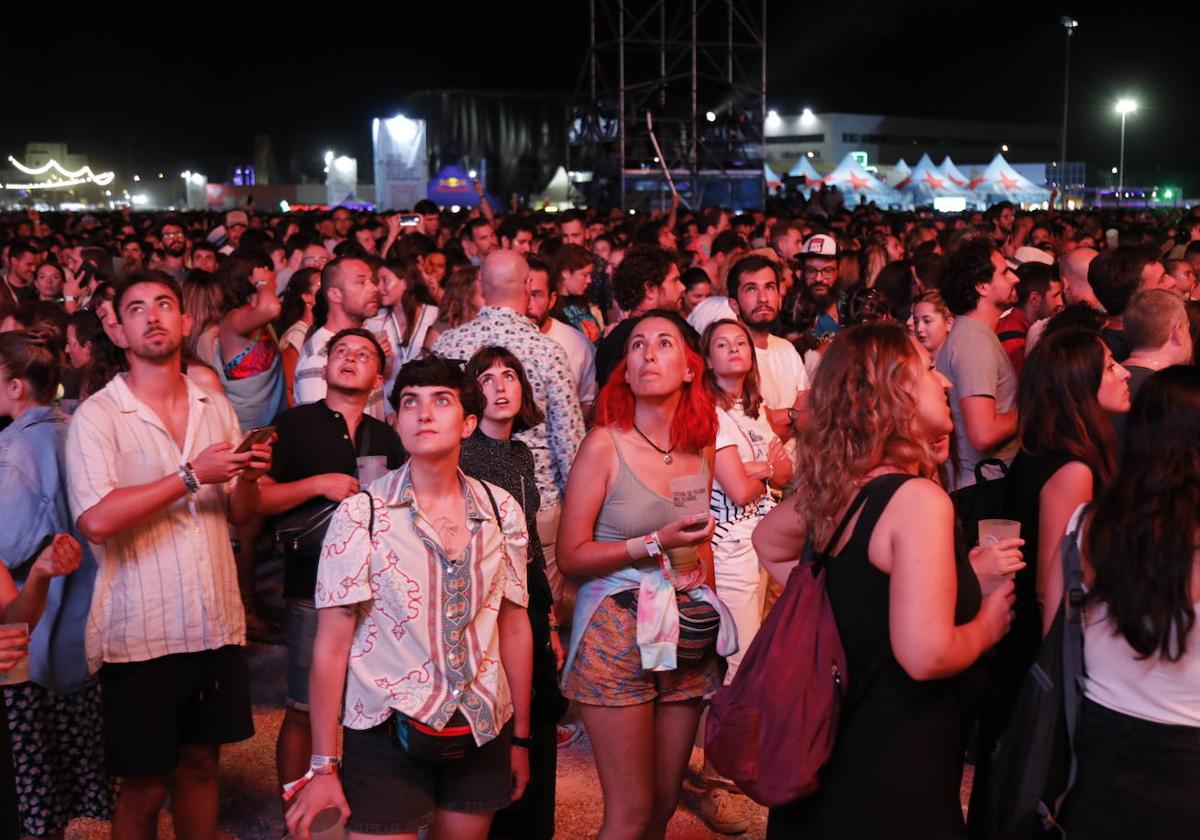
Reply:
x=635, y=547
x=523, y=743
x=553, y=626
x=190, y=483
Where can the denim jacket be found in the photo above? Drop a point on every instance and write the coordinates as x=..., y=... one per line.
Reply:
x=33, y=499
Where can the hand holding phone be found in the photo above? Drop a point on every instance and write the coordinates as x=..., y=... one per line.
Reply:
x=262, y=434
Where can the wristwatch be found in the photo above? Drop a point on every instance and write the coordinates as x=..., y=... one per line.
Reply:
x=523, y=743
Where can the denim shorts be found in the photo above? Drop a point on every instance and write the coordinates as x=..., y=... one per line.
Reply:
x=390, y=793
x=301, y=632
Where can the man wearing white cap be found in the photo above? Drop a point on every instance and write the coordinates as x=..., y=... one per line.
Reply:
x=236, y=222
x=819, y=255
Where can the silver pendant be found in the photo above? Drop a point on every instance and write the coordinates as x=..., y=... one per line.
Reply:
x=667, y=459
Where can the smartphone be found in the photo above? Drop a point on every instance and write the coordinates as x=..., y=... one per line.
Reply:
x=262, y=434
x=410, y=219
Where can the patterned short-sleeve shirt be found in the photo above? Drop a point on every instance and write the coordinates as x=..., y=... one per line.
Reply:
x=426, y=640
x=555, y=442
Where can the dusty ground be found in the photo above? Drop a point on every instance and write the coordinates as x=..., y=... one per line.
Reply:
x=249, y=801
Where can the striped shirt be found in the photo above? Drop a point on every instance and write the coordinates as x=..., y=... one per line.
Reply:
x=310, y=375
x=427, y=637
x=168, y=585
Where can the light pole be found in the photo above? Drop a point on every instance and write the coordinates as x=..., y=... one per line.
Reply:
x=1125, y=107
x=1069, y=24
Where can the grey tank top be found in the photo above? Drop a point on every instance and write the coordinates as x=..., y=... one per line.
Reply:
x=632, y=509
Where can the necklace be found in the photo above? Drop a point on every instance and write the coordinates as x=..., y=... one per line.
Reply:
x=666, y=453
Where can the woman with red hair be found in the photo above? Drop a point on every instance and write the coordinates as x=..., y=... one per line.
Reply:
x=648, y=635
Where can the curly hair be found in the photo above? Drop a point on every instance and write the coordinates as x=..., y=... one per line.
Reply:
x=965, y=269
x=644, y=265
x=863, y=414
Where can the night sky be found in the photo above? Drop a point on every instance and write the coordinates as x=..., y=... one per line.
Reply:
x=151, y=91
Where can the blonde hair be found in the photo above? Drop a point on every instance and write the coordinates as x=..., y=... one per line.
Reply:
x=863, y=415
x=934, y=298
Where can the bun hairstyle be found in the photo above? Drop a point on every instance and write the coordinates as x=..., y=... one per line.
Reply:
x=33, y=357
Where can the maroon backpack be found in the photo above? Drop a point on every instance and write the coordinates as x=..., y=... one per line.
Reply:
x=772, y=729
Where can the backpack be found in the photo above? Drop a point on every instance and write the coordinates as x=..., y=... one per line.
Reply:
x=773, y=728
x=1033, y=764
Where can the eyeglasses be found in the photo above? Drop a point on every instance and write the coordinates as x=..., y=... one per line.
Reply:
x=172, y=236
x=828, y=272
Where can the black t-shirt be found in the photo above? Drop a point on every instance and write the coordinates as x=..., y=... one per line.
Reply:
x=313, y=440
x=611, y=350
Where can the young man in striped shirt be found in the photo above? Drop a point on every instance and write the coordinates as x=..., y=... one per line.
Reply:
x=153, y=480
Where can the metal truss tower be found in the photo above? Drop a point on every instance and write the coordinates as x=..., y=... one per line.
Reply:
x=699, y=67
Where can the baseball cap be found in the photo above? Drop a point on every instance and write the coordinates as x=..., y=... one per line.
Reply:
x=819, y=245
x=236, y=217
x=1027, y=253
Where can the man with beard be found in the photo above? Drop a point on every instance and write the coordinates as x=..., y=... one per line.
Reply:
x=174, y=245
x=350, y=290
x=783, y=382
x=819, y=258
x=978, y=285
x=580, y=352
x=153, y=481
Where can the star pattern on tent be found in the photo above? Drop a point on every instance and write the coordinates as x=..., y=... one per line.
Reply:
x=1008, y=182
x=858, y=182
x=934, y=182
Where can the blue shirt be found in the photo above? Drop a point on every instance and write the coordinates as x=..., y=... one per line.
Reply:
x=33, y=497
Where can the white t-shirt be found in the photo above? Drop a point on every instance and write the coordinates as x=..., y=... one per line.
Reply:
x=752, y=436
x=781, y=373
x=581, y=354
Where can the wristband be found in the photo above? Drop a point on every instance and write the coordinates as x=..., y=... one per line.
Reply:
x=523, y=743
x=324, y=764
x=653, y=546
x=70, y=298
x=635, y=547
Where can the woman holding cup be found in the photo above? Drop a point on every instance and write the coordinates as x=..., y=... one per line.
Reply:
x=648, y=633
x=1070, y=387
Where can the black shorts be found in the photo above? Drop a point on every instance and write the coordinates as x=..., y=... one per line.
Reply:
x=390, y=793
x=152, y=708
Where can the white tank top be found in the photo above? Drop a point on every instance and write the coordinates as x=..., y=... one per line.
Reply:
x=1151, y=689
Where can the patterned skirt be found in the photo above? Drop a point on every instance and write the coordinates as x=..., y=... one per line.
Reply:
x=58, y=756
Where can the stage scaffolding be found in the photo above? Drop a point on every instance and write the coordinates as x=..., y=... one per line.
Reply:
x=699, y=67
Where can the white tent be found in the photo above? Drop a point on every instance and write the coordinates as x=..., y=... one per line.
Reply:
x=951, y=171
x=857, y=183
x=1000, y=182
x=899, y=172
x=557, y=192
x=771, y=177
x=805, y=168
x=927, y=182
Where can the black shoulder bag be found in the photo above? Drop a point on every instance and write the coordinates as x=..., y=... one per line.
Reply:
x=1033, y=765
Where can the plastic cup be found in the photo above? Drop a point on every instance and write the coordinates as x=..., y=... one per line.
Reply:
x=371, y=468
x=328, y=825
x=992, y=531
x=19, y=673
x=689, y=494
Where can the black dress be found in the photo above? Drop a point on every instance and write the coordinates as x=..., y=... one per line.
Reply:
x=896, y=769
x=1016, y=652
x=508, y=464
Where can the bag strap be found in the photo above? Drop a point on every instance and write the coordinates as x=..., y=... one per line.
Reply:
x=1073, y=666
x=856, y=505
x=371, y=521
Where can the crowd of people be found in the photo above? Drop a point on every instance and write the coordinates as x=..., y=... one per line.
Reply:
x=512, y=463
